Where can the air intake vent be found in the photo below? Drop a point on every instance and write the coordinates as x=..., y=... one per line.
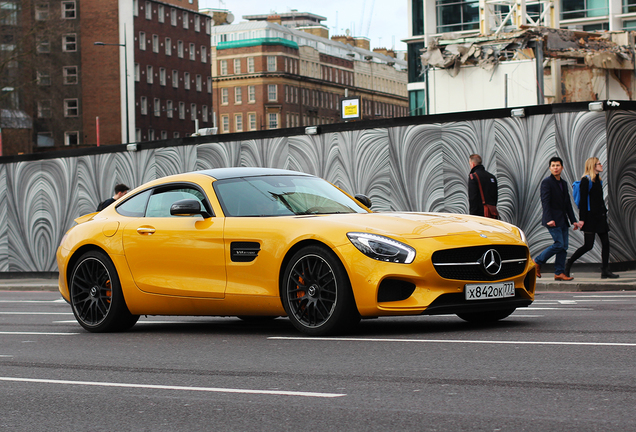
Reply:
x=244, y=251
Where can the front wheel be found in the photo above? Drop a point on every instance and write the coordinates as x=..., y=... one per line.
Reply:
x=316, y=293
x=96, y=296
x=486, y=317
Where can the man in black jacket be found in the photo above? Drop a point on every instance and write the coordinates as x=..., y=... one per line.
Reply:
x=557, y=210
x=120, y=190
x=488, y=184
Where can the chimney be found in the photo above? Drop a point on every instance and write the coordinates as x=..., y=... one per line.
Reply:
x=362, y=42
x=320, y=31
x=344, y=39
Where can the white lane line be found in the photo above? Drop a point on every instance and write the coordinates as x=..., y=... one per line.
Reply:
x=36, y=313
x=559, y=308
x=484, y=342
x=178, y=388
x=526, y=316
x=615, y=296
x=33, y=301
x=37, y=333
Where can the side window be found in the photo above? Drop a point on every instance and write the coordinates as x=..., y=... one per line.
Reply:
x=135, y=206
x=163, y=198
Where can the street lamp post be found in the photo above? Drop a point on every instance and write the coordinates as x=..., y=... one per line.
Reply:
x=125, y=80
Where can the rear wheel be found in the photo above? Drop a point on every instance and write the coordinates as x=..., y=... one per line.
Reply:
x=316, y=293
x=96, y=296
x=486, y=317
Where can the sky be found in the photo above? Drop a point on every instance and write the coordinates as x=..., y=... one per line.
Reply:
x=384, y=25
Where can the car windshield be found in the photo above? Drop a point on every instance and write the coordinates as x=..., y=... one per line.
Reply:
x=282, y=196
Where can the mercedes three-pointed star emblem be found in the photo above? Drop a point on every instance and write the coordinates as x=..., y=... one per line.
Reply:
x=491, y=262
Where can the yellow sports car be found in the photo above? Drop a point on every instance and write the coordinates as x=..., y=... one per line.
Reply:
x=260, y=243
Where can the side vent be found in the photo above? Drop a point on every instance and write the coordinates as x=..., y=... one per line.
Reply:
x=244, y=251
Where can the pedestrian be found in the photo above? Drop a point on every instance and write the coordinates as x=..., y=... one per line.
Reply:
x=557, y=209
x=120, y=190
x=482, y=189
x=593, y=217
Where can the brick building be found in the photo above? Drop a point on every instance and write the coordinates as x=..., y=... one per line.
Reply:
x=269, y=76
x=72, y=88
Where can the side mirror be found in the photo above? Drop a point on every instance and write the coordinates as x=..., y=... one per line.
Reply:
x=364, y=200
x=187, y=207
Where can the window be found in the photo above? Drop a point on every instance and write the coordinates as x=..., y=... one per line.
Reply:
x=42, y=11
x=209, y=80
x=208, y=26
x=182, y=110
x=142, y=41
x=157, y=107
x=137, y=73
x=175, y=79
x=272, y=93
x=224, y=96
x=161, y=201
x=69, y=10
x=71, y=108
x=173, y=16
x=168, y=46
x=44, y=78
x=43, y=46
x=458, y=15
x=148, y=10
x=197, y=23
x=271, y=63
x=161, y=13
x=45, y=139
x=176, y=135
x=237, y=66
x=250, y=65
x=225, y=123
x=162, y=76
x=169, y=109
x=204, y=113
x=238, y=122
x=71, y=138
x=204, y=54
x=238, y=95
x=149, y=74
x=186, y=80
x=251, y=118
x=193, y=112
x=180, y=49
x=151, y=134
x=251, y=94
x=199, y=84
x=193, y=52
x=155, y=43
x=69, y=75
x=186, y=20
x=223, y=67
x=135, y=8
x=143, y=105
x=164, y=134
x=273, y=120
x=69, y=43
x=44, y=108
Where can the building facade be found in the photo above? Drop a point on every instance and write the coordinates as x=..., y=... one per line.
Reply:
x=269, y=76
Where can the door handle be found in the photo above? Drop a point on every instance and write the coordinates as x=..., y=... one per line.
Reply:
x=145, y=230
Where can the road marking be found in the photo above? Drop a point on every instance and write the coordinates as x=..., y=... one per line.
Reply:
x=179, y=388
x=559, y=308
x=37, y=333
x=36, y=313
x=33, y=301
x=485, y=342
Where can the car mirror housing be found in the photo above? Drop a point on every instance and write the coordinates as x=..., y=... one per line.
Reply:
x=187, y=207
x=364, y=200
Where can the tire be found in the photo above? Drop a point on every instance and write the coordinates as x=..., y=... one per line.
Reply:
x=486, y=317
x=316, y=293
x=96, y=296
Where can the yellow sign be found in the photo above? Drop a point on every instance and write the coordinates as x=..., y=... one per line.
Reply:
x=351, y=110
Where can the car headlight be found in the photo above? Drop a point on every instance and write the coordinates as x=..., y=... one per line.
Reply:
x=523, y=236
x=382, y=248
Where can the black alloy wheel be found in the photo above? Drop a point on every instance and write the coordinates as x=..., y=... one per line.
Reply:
x=96, y=297
x=317, y=294
x=486, y=317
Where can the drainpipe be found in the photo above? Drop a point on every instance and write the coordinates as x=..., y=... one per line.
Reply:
x=538, y=54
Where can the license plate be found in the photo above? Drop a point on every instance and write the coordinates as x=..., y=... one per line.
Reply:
x=489, y=291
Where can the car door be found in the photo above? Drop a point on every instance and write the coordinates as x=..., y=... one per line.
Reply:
x=176, y=255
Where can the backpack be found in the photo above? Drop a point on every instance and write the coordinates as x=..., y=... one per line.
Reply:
x=576, y=192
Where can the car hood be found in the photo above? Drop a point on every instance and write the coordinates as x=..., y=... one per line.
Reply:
x=423, y=225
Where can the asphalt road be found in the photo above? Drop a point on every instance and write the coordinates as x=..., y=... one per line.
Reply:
x=566, y=363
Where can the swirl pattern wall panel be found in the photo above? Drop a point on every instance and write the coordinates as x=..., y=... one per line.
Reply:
x=621, y=167
x=4, y=221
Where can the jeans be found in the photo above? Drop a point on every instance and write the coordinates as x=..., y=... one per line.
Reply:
x=560, y=235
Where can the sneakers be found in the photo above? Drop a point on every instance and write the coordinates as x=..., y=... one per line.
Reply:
x=562, y=277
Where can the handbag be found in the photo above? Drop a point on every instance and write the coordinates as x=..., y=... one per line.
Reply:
x=490, y=211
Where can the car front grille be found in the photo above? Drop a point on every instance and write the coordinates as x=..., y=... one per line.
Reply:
x=466, y=263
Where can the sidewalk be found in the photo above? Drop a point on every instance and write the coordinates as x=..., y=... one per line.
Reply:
x=584, y=280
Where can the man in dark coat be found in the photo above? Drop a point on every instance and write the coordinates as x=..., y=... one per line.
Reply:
x=120, y=190
x=488, y=184
x=557, y=210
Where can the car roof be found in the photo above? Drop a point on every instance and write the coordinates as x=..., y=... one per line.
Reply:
x=237, y=172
